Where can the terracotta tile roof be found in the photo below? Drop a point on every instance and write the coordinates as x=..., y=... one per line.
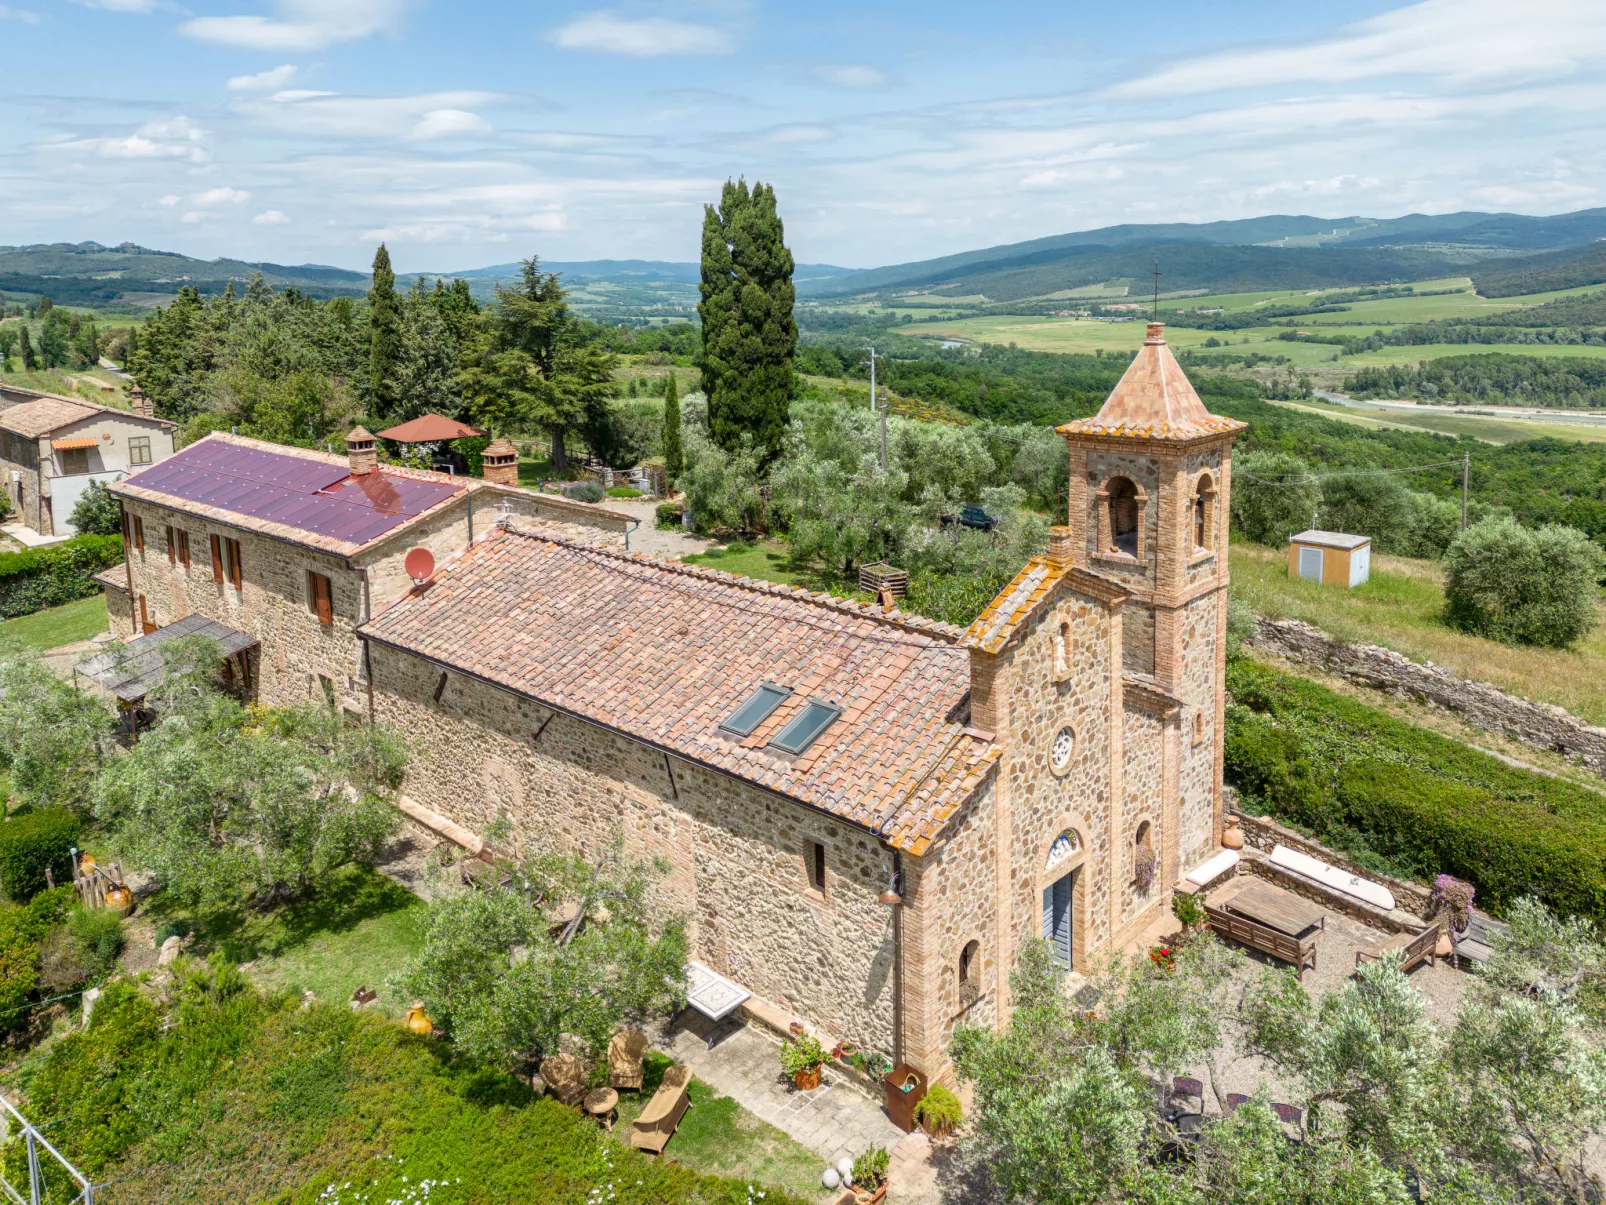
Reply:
x=45, y=415
x=115, y=578
x=1153, y=400
x=1016, y=602
x=430, y=428
x=665, y=652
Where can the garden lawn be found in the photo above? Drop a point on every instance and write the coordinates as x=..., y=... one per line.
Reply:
x=247, y=1101
x=358, y=930
x=1401, y=608
x=55, y=626
x=719, y=1137
x=769, y=560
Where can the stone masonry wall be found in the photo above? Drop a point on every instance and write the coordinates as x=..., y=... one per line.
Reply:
x=737, y=854
x=1141, y=743
x=1198, y=680
x=1540, y=725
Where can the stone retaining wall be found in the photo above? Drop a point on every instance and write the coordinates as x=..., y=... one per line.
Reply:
x=1540, y=725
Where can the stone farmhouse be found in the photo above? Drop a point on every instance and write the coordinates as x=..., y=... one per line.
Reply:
x=866, y=813
x=52, y=447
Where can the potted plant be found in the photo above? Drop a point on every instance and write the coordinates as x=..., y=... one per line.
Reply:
x=1164, y=957
x=870, y=1175
x=1188, y=910
x=1144, y=864
x=939, y=1112
x=801, y=1058
x=845, y=1052
x=1454, y=897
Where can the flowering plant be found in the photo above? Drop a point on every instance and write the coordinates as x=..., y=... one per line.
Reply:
x=1144, y=863
x=1164, y=957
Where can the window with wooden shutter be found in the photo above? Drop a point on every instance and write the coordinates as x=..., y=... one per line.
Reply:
x=231, y=549
x=139, y=535
x=322, y=597
x=172, y=546
x=217, y=561
x=184, y=548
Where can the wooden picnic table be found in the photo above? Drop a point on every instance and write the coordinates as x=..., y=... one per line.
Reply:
x=1277, y=909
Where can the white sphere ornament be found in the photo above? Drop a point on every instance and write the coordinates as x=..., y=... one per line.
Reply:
x=830, y=1179
x=844, y=1167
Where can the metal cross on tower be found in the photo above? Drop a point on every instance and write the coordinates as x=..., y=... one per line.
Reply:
x=1156, y=290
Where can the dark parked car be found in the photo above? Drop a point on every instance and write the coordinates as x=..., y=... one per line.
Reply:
x=972, y=516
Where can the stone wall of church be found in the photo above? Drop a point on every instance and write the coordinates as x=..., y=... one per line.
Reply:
x=1143, y=813
x=1198, y=683
x=1146, y=473
x=738, y=855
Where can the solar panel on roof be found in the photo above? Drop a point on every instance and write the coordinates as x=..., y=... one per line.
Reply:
x=308, y=495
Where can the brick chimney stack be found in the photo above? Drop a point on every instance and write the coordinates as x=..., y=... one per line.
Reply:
x=361, y=452
x=141, y=404
x=500, y=462
x=1059, y=547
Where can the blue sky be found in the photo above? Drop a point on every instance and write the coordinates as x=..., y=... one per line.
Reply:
x=479, y=131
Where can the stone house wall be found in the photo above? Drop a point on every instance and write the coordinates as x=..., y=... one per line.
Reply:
x=738, y=854
x=20, y=462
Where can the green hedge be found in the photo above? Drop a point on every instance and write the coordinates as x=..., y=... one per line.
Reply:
x=47, y=577
x=31, y=842
x=1403, y=799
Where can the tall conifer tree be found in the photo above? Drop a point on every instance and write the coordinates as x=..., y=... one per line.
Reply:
x=749, y=333
x=674, y=457
x=384, y=334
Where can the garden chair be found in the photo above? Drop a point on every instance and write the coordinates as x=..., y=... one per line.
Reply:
x=1288, y=1113
x=659, y=1120
x=626, y=1051
x=1234, y=1099
x=565, y=1077
x=1181, y=1085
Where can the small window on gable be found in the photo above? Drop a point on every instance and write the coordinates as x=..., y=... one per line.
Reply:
x=744, y=721
x=806, y=727
x=139, y=449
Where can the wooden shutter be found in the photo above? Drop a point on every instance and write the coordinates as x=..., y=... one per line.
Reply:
x=235, y=575
x=322, y=602
x=145, y=624
x=172, y=546
x=217, y=561
x=184, y=548
x=139, y=534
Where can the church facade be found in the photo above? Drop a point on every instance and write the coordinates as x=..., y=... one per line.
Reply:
x=864, y=813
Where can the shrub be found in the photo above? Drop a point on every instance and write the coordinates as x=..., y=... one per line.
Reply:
x=1188, y=910
x=623, y=491
x=583, y=491
x=937, y=1108
x=29, y=844
x=97, y=513
x=870, y=1168
x=668, y=514
x=47, y=577
x=1273, y=496
x=1522, y=586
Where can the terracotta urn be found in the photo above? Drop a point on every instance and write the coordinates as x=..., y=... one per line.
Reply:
x=1232, y=837
x=806, y=1079
x=1445, y=946
x=86, y=865
x=120, y=900
x=417, y=1020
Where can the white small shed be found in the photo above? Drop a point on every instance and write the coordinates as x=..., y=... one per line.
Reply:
x=1332, y=558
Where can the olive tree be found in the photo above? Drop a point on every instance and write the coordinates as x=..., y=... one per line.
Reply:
x=1520, y=585
x=54, y=737
x=1274, y=495
x=569, y=950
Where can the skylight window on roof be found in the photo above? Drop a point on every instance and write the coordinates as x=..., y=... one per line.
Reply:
x=746, y=718
x=806, y=728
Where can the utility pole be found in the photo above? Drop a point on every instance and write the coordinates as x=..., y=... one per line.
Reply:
x=883, y=438
x=1466, y=471
x=871, y=350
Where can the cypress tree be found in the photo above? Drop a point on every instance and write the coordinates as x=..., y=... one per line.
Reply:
x=384, y=334
x=674, y=458
x=26, y=350
x=749, y=333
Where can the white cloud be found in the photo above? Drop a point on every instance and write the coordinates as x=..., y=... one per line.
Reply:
x=263, y=81
x=1455, y=39
x=172, y=138
x=850, y=75
x=271, y=217
x=301, y=25
x=449, y=123
x=170, y=200
x=122, y=6
x=18, y=14
x=644, y=38
x=223, y=196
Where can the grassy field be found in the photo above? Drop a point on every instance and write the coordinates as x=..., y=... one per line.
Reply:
x=66, y=624
x=768, y=560
x=1450, y=422
x=1432, y=351
x=1401, y=608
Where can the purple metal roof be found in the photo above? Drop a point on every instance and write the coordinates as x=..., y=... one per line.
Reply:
x=309, y=495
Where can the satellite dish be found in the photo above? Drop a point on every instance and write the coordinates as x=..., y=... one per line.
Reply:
x=420, y=563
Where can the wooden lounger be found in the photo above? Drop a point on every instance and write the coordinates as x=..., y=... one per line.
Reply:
x=1301, y=951
x=1412, y=948
x=658, y=1121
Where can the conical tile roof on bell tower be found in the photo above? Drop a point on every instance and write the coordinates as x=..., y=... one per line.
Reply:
x=1153, y=400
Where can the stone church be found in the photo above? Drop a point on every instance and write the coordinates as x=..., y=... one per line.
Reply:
x=865, y=813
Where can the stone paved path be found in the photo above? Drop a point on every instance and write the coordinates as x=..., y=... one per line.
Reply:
x=648, y=538
x=834, y=1120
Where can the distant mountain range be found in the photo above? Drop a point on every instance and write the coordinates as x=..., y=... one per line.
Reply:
x=1506, y=251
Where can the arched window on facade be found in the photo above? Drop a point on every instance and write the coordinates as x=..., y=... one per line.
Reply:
x=969, y=974
x=1123, y=518
x=1204, y=507
x=1144, y=860
x=1198, y=727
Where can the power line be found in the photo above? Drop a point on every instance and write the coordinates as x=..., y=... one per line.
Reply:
x=1303, y=478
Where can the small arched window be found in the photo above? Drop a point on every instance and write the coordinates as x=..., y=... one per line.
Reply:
x=1144, y=860
x=1198, y=727
x=1123, y=519
x=969, y=974
x=1204, y=498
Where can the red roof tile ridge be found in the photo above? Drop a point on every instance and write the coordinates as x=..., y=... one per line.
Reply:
x=898, y=620
x=97, y=407
x=334, y=459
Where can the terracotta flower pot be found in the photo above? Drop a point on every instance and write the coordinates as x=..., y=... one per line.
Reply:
x=1445, y=945
x=120, y=900
x=1232, y=837
x=807, y=1079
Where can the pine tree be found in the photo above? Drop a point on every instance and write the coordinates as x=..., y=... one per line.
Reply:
x=384, y=335
x=749, y=333
x=674, y=457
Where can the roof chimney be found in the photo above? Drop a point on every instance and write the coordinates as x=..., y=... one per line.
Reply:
x=361, y=453
x=141, y=404
x=500, y=462
x=1059, y=547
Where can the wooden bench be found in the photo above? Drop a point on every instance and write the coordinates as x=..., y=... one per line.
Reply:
x=658, y=1121
x=1475, y=945
x=1301, y=951
x=1412, y=948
